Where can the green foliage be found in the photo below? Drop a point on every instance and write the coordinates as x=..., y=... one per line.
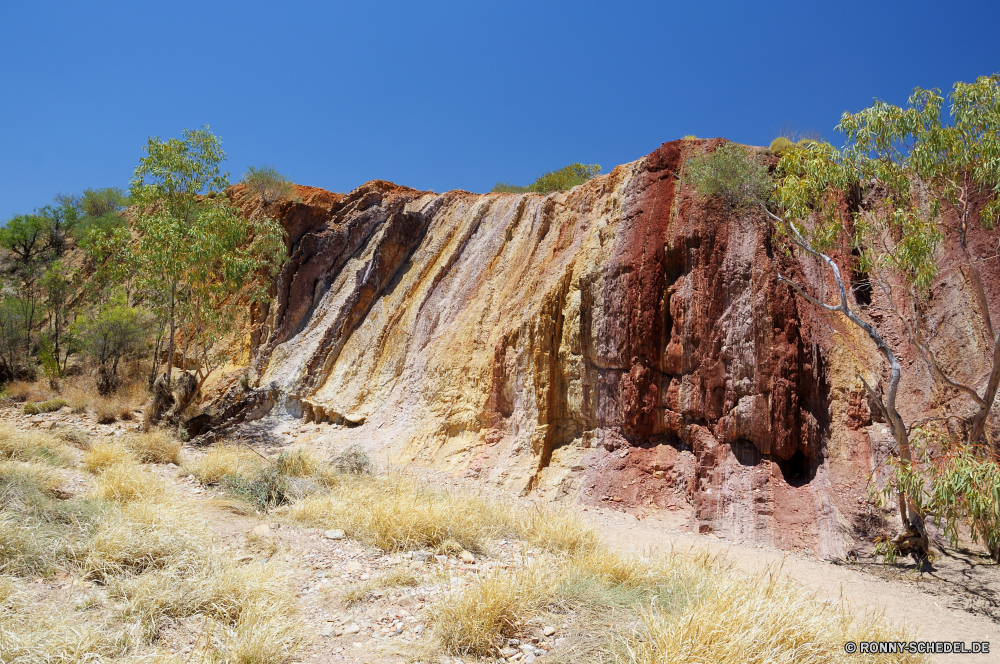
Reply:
x=196, y=261
x=57, y=287
x=50, y=406
x=781, y=145
x=112, y=333
x=265, y=490
x=14, y=339
x=267, y=183
x=24, y=235
x=560, y=180
x=903, y=166
x=953, y=484
x=732, y=172
x=100, y=217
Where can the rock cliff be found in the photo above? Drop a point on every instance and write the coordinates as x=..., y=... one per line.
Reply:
x=624, y=342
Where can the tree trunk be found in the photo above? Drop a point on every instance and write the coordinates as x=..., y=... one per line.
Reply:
x=170, y=344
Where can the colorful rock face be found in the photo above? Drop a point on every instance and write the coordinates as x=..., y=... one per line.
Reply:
x=624, y=341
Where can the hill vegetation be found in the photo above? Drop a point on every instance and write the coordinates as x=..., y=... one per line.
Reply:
x=559, y=180
x=123, y=287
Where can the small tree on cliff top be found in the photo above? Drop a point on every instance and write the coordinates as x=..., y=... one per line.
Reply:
x=188, y=249
x=916, y=181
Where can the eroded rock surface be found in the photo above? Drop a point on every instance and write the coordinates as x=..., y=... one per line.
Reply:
x=623, y=342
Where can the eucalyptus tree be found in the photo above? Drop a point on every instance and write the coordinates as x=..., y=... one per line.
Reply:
x=917, y=180
x=197, y=261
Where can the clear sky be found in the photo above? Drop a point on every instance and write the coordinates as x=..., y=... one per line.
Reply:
x=447, y=95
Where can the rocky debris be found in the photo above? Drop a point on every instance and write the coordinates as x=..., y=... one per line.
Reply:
x=334, y=534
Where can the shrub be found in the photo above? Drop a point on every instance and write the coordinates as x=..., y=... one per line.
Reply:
x=781, y=145
x=354, y=461
x=50, y=406
x=560, y=180
x=114, y=332
x=266, y=490
x=732, y=172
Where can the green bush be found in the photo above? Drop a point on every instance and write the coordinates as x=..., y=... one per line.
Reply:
x=560, y=180
x=265, y=490
x=781, y=145
x=50, y=406
x=732, y=172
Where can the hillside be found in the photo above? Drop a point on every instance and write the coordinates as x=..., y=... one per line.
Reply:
x=624, y=342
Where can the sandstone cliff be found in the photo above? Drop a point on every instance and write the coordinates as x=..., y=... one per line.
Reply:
x=623, y=342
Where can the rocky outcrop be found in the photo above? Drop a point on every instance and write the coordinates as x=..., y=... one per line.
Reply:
x=624, y=342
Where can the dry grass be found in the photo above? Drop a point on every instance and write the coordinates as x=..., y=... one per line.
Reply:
x=32, y=633
x=686, y=607
x=147, y=447
x=212, y=586
x=32, y=445
x=397, y=578
x=108, y=410
x=107, y=453
x=20, y=390
x=80, y=394
x=479, y=620
x=753, y=620
x=124, y=482
x=398, y=513
x=156, y=446
x=223, y=460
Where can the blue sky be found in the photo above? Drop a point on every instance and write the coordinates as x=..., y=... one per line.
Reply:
x=439, y=95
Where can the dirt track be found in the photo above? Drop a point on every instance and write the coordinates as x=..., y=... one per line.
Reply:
x=927, y=604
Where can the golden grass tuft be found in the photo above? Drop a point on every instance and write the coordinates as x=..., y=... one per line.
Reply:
x=396, y=512
x=397, y=578
x=222, y=460
x=215, y=587
x=107, y=453
x=753, y=620
x=31, y=633
x=142, y=535
x=32, y=445
x=107, y=410
x=20, y=390
x=156, y=446
x=479, y=620
x=124, y=482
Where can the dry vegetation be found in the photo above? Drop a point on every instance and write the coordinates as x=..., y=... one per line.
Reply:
x=157, y=565
x=79, y=393
x=146, y=547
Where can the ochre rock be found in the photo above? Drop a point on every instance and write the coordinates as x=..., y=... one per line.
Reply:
x=624, y=341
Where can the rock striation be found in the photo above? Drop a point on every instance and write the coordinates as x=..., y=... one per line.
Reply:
x=623, y=342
